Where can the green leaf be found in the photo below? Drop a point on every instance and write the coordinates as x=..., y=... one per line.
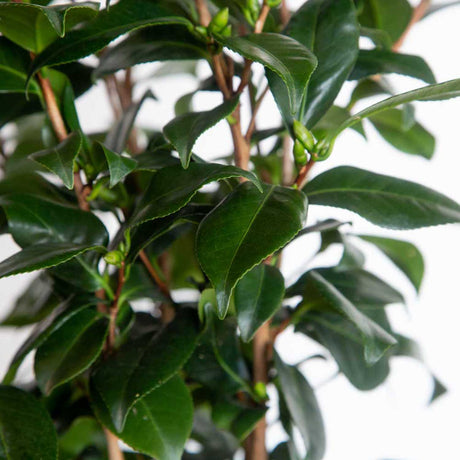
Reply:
x=26, y=429
x=438, y=92
x=119, y=166
x=392, y=16
x=243, y=230
x=84, y=432
x=70, y=349
x=34, y=27
x=34, y=304
x=334, y=41
x=184, y=130
x=160, y=43
x=415, y=139
x=123, y=17
x=403, y=254
x=144, y=364
x=171, y=188
x=383, y=200
x=320, y=293
x=258, y=295
x=286, y=57
x=60, y=159
x=332, y=119
x=159, y=424
x=14, y=65
x=378, y=61
x=44, y=255
x=303, y=408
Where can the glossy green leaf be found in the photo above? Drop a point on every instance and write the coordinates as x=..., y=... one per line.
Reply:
x=160, y=43
x=123, y=17
x=171, y=188
x=84, y=432
x=243, y=230
x=286, y=57
x=119, y=166
x=14, y=65
x=34, y=304
x=184, y=130
x=303, y=408
x=379, y=37
x=70, y=349
x=26, y=429
x=159, y=424
x=44, y=255
x=415, y=139
x=332, y=119
x=378, y=61
x=383, y=200
x=320, y=293
x=336, y=28
x=438, y=92
x=403, y=254
x=258, y=295
x=144, y=364
x=34, y=27
x=60, y=159
x=392, y=16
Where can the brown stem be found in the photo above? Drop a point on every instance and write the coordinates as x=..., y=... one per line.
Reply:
x=203, y=12
x=259, y=25
x=153, y=273
x=255, y=110
x=417, y=14
x=287, y=160
x=220, y=77
x=304, y=170
x=284, y=13
x=113, y=449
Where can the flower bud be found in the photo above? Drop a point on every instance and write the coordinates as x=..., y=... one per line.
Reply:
x=273, y=3
x=300, y=156
x=219, y=21
x=304, y=135
x=114, y=258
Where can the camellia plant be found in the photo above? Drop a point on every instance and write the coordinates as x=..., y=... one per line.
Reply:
x=187, y=376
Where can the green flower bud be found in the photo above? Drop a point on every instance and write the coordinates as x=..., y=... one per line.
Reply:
x=219, y=21
x=304, y=135
x=227, y=32
x=260, y=389
x=300, y=156
x=114, y=258
x=273, y=3
x=252, y=11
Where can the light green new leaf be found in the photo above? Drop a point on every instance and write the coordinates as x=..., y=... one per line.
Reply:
x=70, y=349
x=119, y=166
x=34, y=26
x=144, y=364
x=159, y=424
x=243, y=230
x=383, y=200
x=303, y=408
x=184, y=130
x=414, y=139
x=26, y=429
x=171, y=188
x=123, y=17
x=378, y=61
x=403, y=254
x=257, y=297
x=319, y=292
x=286, y=57
x=44, y=255
x=61, y=159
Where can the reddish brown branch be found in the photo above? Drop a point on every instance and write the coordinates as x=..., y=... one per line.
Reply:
x=417, y=14
x=255, y=110
x=153, y=273
x=304, y=170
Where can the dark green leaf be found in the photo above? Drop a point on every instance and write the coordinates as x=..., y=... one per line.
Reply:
x=44, y=255
x=383, y=200
x=415, y=139
x=320, y=294
x=142, y=365
x=286, y=57
x=403, y=254
x=332, y=119
x=159, y=424
x=257, y=297
x=70, y=349
x=243, y=230
x=173, y=187
x=26, y=429
x=34, y=27
x=303, y=408
x=119, y=166
x=160, y=43
x=334, y=41
x=380, y=37
x=61, y=159
x=377, y=61
x=184, y=130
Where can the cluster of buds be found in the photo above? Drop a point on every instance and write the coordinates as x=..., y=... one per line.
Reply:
x=218, y=26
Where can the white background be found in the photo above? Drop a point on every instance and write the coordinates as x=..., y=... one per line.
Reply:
x=393, y=421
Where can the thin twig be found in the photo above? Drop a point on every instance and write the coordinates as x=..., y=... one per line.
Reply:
x=417, y=14
x=113, y=449
x=203, y=12
x=304, y=170
x=284, y=13
x=259, y=25
x=252, y=122
x=153, y=273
